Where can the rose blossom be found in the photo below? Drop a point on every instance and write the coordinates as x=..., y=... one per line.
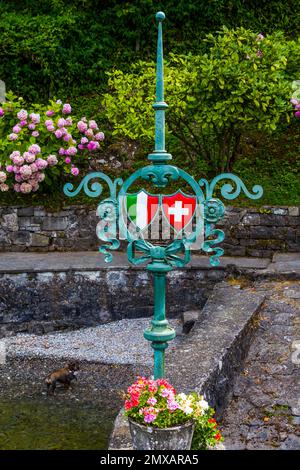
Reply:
x=3, y=176
x=61, y=122
x=50, y=112
x=50, y=128
x=17, y=129
x=67, y=108
x=71, y=151
x=18, y=160
x=35, y=118
x=1, y=112
x=69, y=121
x=23, y=123
x=22, y=115
x=93, y=125
x=82, y=126
x=84, y=140
x=25, y=171
x=75, y=171
x=41, y=163
x=61, y=151
x=18, y=178
x=48, y=122
x=99, y=136
x=89, y=133
x=58, y=133
x=67, y=137
x=35, y=134
x=9, y=169
x=34, y=167
x=31, y=126
x=35, y=148
x=40, y=177
x=92, y=145
x=15, y=153
x=52, y=160
x=29, y=157
x=294, y=101
x=81, y=147
x=17, y=187
x=25, y=188
x=297, y=114
x=4, y=187
x=13, y=136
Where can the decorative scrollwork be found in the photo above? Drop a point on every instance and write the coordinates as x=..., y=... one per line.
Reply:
x=227, y=190
x=160, y=175
x=106, y=229
x=214, y=210
x=96, y=188
x=209, y=244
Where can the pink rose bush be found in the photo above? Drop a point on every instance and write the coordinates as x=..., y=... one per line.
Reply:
x=156, y=403
x=295, y=101
x=43, y=143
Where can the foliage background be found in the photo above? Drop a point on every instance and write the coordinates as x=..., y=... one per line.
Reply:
x=64, y=49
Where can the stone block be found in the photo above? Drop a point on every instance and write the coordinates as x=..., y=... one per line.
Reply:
x=10, y=222
x=39, y=240
x=55, y=223
x=21, y=238
x=25, y=211
x=293, y=211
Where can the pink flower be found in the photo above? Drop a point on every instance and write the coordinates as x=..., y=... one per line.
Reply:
x=25, y=188
x=71, y=151
x=1, y=112
x=13, y=136
x=22, y=115
x=4, y=187
x=3, y=176
x=93, y=125
x=82, y=126
x=99, y=136
x=149, y=417
x=23, y=123
x=68, y=121
x=68, y=160
x=17, y=187
x=16, y=129
x=35, y=118
x=152, y=401
x=84, y=140
x=172, y=405
x=15, y=153
x=18, y=160
x=80, y=146
x=61, y=151
x=52, y=160
x=58, y=133
x=92, y=145
x=39, y=177
x=260, y=37
x=18, y=178
x=41, y=163
x=294, y=101
x=61, y=122
x=9, y=169
x=29, y=157
x=50, y=128
x=75, y=171
x=35, y=134
x=35, y=149
x=89, y=133
x=297, y=106
x=31, y=126
x=67, y=137
x=34, y=167
x=297, y=114
x=67, y=108
x=259, y=53
x=48, y=122
x=25, y=172
x=50, y=112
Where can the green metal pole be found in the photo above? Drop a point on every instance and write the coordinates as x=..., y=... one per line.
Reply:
x=160, y=331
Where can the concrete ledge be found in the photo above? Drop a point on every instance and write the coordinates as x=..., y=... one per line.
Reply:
x=212, y=355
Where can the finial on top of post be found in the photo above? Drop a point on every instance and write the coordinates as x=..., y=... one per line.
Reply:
x=160, y=156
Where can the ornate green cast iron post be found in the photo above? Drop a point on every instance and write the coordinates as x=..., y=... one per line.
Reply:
x=129, y=215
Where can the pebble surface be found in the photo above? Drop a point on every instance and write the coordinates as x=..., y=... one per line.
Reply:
x=119, y=342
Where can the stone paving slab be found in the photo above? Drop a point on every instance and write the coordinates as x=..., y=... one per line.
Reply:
x=93, y=261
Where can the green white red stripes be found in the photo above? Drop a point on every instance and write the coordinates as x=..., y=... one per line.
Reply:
x=141, y=208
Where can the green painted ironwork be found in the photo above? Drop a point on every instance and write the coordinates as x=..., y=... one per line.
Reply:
x=160, y=258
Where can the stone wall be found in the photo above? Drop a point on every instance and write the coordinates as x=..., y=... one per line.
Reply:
x=249, y=232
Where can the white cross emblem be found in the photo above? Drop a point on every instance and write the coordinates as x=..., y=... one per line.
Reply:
x=178, y=211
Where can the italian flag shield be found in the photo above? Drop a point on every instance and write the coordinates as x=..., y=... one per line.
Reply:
x=141, y=208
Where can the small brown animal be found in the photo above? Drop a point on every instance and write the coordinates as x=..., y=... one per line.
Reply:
x=64, y=376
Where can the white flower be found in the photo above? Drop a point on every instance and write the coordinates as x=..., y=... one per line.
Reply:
x=203, y=404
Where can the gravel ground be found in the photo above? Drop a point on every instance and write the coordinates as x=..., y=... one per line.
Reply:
x=265, y=409
x=119, y=342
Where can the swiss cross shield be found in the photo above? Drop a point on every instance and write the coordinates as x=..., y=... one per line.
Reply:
x=179, y=209
x=141, y=208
